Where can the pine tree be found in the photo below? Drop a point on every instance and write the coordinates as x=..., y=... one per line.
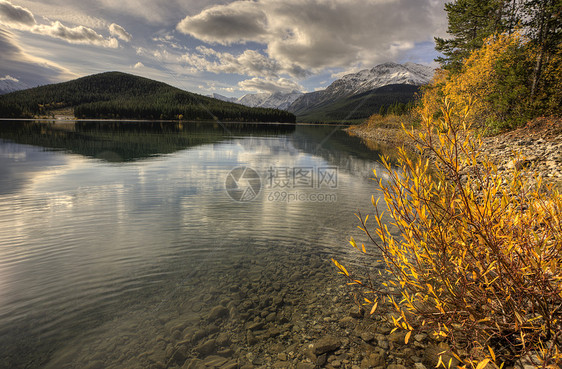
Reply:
x=544, y=27
x=470, y=23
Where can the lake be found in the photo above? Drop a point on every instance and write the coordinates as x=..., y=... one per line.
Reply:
x=121, y=242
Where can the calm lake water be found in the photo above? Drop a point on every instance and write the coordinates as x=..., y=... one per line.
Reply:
x=124, y=229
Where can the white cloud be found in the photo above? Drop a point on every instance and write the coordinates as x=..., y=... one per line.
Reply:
x=138, y=65
x=22, y=19
x=269, y=85
x=119, y=32
x=317, y=34
x=249, y=63
x=75, y=35
x=167, y=39
x=64, y=11
x=91, y=13
x=15, y=16
x=239, y=21
x=147, y=11
x=9, y=78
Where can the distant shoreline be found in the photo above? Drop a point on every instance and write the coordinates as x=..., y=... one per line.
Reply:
x=71, y=121
x=134, y=121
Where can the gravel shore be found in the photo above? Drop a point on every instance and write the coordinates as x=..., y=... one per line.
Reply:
x=536, y=146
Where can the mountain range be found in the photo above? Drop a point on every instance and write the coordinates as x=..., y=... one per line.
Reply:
x=364, y=81
x=381, y=86
x=276, y=100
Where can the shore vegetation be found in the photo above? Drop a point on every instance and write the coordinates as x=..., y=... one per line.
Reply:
x=475, y=253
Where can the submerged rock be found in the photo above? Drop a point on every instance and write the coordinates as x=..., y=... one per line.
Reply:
x=326, y=344
x=218, y=312
x=206, y=348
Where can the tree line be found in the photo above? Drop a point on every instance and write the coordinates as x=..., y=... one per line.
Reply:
x=509, y=54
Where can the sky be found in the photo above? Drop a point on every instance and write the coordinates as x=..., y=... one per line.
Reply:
x=215, y=46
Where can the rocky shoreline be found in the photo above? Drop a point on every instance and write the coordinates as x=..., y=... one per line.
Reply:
x=537, y=146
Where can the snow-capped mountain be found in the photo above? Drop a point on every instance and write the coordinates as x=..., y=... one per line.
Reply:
x=223, y=98
x=350, y=84
x=9, y=84
x=366, y=80
x=253, y=100
x=382, y=75
x=276, y=100
x=280, y=100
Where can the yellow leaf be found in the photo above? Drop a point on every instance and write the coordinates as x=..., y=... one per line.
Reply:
x=374, y=307
x=407, y=337
x=482, y=364
x=440, y=362
x=492, y=353
x=340, y=267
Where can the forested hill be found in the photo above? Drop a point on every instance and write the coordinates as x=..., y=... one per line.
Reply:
x=116, y=95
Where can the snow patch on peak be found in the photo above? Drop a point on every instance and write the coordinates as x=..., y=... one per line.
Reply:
x=10, y=84
x=223, y=98
x=382, y=75
x=253, y=100
x=275, y=100
x=366, y=80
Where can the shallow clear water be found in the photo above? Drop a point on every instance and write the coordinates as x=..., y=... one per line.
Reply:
x=109, y=227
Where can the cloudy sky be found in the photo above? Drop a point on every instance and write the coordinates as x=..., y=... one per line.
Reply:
x=223, y=46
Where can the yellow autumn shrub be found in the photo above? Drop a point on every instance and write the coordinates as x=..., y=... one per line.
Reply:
x=495, y=78
x=477, y=255
x=432, y=95
x=387, y=121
